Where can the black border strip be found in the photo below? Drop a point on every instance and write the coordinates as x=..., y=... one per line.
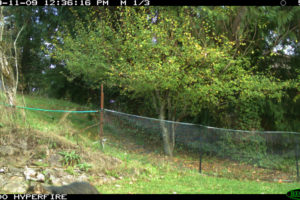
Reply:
x=224, y=2
x=143, y=196
x=150, y=2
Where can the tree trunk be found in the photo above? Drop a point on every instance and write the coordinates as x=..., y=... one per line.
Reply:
x=165, y=132
x=160, y=104
x=8, y=70
x=7, y=79
x=171, y=116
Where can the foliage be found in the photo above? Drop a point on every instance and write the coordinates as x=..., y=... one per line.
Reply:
x=198, y=69
x=70, y=170
x=222, y=66
x=249, y=148
x=70, y=158
x=84, y=166
x=177, y=59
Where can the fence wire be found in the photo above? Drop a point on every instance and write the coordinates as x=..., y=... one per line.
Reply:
x=269, y=155
x=274, y=152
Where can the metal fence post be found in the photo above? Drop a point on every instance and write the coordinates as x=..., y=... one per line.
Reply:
x=200, y=155
x=296, y=156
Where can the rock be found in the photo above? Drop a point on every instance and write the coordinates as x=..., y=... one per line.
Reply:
x=60, y=177
x=15, y=170
x=68, y=179
x=83, y=178
x=60, y=172
x=55, y=160
x=63, y=180
x=40, y=177
x=54, y=180
x=37, y=188
x=3, y=180
x=15, y=184
x=30, y=174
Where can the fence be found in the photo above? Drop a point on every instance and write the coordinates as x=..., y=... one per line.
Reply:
x=275, y=153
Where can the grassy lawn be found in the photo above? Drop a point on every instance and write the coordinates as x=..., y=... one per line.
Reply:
x=165, y=178
x=192, y=183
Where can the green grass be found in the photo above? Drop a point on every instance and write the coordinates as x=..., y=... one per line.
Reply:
x=139, y=173
x=51, y=121
x=164, y=178
x=192, y=183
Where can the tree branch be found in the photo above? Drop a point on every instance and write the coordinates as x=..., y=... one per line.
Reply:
x=277, y=41
x=16, y=57
x=2, y=22
x=248, y=47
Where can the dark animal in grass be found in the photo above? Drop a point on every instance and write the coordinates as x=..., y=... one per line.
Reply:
x=73, y=188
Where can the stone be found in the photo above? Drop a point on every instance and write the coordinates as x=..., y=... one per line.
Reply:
x=3, y=180
x=40, y=177
x=29, y=173
x=55, y=160
x=15, y=170
x=60, y=177
x=83, y=178
x=54, y=180
x=15, y=185
x=68, y=179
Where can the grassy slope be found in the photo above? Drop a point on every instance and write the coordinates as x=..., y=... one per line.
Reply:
x=164, y=178
x=153, y=177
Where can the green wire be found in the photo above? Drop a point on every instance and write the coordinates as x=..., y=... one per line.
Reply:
x=45, y=110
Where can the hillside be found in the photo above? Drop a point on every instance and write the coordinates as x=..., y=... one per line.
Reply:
x=38, y=150
x=48, y=148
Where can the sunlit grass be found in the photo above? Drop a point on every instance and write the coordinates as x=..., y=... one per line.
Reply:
x=158, y=178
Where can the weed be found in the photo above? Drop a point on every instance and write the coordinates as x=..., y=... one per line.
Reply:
x=70, y=158
x=112, y=173
x=70, y=170
x=47, y=177
x=53, y=145
x=91, y=179
x=41, y=164
x=84, y=166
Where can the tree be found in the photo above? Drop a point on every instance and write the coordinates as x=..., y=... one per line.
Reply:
x=9, y=56
x=256, y=32
x=159, y=53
